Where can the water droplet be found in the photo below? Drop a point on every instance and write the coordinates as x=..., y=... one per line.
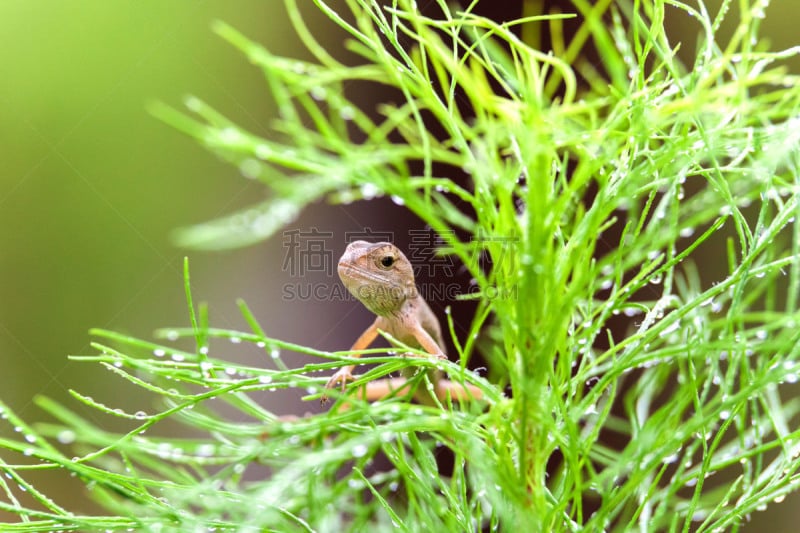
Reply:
x=230, y=135
x=265, y=379
x=368, y=191
x=250, y=168
x=66, y=436
x=205, y=450
x=397, y=200
x=671, y=328
x=193, y=103
x=319, y=93
x=263, y=151
x=158, y=352
x=670, y=459
x=347, y=113
x=178, y=357
x=360, y=450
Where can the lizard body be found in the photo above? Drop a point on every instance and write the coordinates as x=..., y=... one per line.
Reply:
x=380, y=276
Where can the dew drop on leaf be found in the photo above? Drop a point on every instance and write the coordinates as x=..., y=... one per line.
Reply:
x=66, y=436
x=230, y=135
x=263, y=151
x=347, y=113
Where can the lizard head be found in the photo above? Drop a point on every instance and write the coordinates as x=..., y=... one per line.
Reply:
x=378, y=274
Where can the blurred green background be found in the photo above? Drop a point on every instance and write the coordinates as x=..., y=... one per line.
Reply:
x=91, y=185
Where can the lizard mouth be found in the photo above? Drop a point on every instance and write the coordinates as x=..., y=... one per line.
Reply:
x=355, y=272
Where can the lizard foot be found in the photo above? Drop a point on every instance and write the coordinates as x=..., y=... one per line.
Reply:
x=340, y=378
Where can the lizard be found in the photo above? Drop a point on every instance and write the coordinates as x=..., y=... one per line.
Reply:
x=381, y=277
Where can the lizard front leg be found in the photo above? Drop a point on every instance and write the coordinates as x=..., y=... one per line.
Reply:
x=426, y=341
x=344, y=374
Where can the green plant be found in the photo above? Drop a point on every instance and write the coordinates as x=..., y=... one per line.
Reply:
x=609, y=180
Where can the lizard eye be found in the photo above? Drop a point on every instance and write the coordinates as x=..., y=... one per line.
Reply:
x=387, y=261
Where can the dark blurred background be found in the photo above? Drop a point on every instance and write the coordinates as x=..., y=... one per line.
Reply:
x=91, y=185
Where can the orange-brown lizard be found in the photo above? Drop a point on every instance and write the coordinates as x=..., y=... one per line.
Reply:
x=381, y=278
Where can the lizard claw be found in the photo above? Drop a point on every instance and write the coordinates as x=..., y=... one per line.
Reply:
x=340, y=378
